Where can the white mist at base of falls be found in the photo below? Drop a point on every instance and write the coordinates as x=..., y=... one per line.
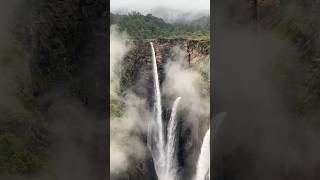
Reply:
x=203, y=166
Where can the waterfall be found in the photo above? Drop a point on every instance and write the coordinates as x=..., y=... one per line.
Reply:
x=157, y=129
x=163, y=153
x=203, y=166
x=163, y=144
x=171, y=143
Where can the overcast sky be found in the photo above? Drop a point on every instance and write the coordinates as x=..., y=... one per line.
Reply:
x=145, y=5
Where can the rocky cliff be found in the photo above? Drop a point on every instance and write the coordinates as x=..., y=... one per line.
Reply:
x=136, y=75
x=138, y=61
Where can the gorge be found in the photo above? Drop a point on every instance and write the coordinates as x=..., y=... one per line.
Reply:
x=173, y=141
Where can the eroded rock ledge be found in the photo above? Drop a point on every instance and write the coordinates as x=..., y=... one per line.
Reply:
x=196, y=50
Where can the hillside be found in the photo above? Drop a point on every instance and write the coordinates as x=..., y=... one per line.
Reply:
x=141, y=26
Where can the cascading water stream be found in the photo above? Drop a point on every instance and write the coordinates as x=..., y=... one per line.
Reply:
x=163, y=149
x=159, y=156
x=203, y=166
x=171, y=143
x=163, y=154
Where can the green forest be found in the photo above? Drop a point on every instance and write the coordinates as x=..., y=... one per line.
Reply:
x=141, y=26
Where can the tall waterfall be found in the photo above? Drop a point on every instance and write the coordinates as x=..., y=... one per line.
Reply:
x=159, y=151
x=203, y=166
x=163, y=153
x=171, y=168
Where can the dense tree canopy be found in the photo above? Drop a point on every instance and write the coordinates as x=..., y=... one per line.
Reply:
x=148, y=26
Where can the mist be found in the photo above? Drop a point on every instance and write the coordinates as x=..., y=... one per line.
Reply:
x=180, y=80
x=171, y=15
x=144, y=5
x=168, y=14
x=189, y=83
x=126, y=145
x=170, y=11
x=118, y=50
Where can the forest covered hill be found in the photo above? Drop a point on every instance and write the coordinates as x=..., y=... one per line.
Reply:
x=148, y=26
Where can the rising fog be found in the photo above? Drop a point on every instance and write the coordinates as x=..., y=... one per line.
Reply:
x=186, y=83
x=125, y=131
x=171, y=11
x=169, y=15
x=145, y=5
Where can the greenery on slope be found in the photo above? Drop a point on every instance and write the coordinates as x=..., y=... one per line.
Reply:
x=137, y=25
x=148, y=26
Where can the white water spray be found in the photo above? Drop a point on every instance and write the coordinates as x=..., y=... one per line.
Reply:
x=171, y=169
x=203, y=166
x=159, y=155
x=163, y=149
x=163, y=154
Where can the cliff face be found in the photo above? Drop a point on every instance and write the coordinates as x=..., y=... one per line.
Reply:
x=140, y=56
x=136, y=71
x=136, y=75
x=196, y=51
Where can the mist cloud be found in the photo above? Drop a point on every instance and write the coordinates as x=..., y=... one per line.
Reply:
x=144, y=5
x=186, y=83
x=126, y=145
